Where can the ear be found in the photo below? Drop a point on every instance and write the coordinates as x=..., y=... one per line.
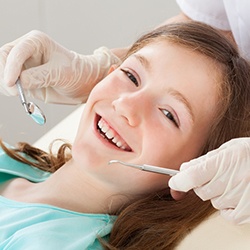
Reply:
x=112, y=68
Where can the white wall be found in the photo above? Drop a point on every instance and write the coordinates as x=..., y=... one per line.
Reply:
x=80, y=25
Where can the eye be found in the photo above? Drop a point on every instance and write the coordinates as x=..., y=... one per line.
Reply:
x=131, y=77
x=171, y=117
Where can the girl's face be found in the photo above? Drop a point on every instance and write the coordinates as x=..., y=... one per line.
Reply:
x=156, y=108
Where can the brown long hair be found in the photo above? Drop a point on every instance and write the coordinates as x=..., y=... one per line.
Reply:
x=157, y=221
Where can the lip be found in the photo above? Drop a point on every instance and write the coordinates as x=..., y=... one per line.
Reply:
x=104, y=140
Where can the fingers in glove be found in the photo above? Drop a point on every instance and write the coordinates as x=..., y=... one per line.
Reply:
x=177, y=195
x=14, y=63
x=8, y=91
x=28, y=47
x=236, y=216
x=192, y=177
x=228, y=160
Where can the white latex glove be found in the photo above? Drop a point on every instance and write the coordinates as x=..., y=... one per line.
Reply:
x=49, y=71
x=222, y=176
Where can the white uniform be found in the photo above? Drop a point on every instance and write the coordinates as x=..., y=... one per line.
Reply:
x=231, y=15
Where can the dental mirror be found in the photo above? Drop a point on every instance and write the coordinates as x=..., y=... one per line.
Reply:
x=30, y=108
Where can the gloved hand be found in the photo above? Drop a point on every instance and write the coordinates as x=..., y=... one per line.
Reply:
x=222, y=176
x=49, y=71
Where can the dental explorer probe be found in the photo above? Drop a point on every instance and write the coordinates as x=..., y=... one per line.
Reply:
x=148, y=168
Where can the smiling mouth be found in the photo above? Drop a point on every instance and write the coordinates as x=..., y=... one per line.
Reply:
x=111, y=135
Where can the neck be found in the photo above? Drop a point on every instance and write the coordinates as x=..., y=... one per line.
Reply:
x=73, y=189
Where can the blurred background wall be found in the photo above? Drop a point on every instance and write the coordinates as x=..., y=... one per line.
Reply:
x=79, y=25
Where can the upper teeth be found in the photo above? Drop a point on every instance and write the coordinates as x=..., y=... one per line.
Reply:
x=110, y=134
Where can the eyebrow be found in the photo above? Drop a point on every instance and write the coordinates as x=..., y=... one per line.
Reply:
x=143, y=60
x=176, y=94
x=183, y=99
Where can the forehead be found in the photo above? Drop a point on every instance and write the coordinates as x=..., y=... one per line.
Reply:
x=164, y=52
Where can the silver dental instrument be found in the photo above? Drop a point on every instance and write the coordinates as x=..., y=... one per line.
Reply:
x=30, y=108
x=148, y=168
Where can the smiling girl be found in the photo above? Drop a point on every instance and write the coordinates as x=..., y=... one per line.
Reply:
x=181, y=91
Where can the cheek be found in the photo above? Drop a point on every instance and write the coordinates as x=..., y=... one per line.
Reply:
x=162, y=148
x=170, y=150
x=99, y=91
x=83, y=151
x=152, y=182
x=109, y=83
x=141, y=182
x=84, y=159
x=77, y=149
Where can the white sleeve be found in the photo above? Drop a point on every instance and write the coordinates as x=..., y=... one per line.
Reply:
x=222, y=14
x=211, y=12
x=239, y=18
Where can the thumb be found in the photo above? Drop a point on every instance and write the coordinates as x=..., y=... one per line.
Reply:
x=181, y=182
x=193, y=174
x=177, y=195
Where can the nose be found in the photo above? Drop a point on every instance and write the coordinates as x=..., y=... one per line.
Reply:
x=132, y=107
